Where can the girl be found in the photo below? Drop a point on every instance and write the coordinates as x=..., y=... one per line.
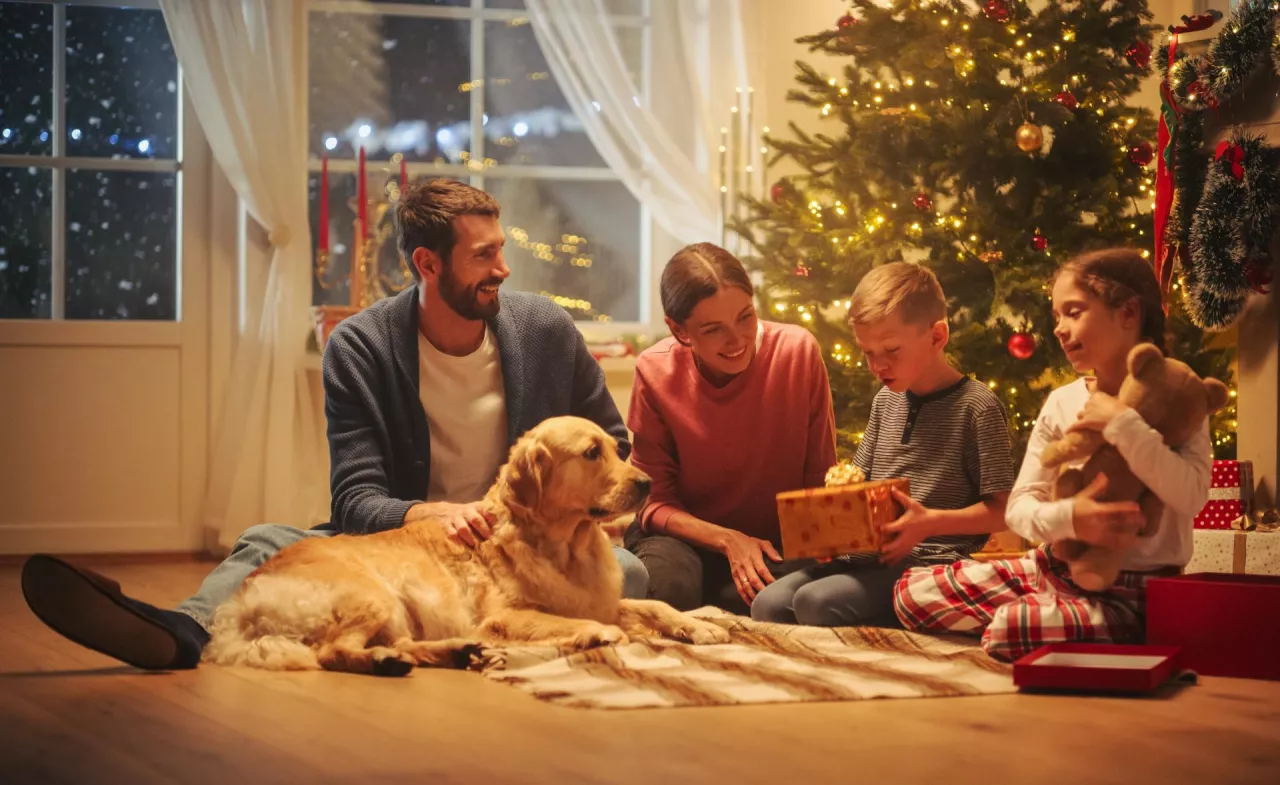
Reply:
x=726, y=413
x=1104, y=304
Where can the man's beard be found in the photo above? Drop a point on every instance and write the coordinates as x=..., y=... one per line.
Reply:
x=464, y=300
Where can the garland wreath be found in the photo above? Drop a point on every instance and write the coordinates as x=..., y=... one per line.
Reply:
x=1215, y=218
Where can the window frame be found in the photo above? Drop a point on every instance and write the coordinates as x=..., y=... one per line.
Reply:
x=478, y=15
x=57, y=329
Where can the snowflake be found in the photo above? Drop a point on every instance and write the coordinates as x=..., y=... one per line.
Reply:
x=75, y=226
x=3, y=265
x=125, y=286
x=30, y=118
x=173, y=86
x=389, y=44
x=153, y=299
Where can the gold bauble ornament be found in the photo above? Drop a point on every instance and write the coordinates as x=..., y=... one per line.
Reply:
x=1030, y=138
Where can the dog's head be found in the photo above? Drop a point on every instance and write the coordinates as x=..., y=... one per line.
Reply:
x=568, y=469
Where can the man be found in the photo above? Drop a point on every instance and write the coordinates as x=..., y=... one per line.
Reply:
x=424, y=394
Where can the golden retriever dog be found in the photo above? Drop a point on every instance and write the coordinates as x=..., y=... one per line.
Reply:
x=385, y=603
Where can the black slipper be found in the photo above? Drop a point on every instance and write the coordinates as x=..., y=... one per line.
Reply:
x=90, y=609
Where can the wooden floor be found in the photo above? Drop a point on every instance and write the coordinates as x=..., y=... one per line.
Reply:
x=68, y=715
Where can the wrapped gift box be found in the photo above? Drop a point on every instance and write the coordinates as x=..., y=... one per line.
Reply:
x=832, y=521
x=1229, y=495
x=1226, y=625
x=1097, y=667
x=1239, y=552
x=1003, y=545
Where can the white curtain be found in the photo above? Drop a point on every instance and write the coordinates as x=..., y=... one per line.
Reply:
x=245, y=65
x=665, y=150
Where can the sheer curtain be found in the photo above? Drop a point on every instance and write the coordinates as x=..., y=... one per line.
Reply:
x=244, y=63
x=664, y=149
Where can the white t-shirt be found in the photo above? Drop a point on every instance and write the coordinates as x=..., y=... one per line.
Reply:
x=466, y=407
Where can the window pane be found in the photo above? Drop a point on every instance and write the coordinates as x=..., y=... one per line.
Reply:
x=121, y=245
x=122, y=84
x=628, y=7
x=393, y=84
x=24, y=243
x=574, y=240
x=26, y=79
x=529, y=119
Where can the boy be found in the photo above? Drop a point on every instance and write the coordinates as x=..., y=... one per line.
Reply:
x=940, y=429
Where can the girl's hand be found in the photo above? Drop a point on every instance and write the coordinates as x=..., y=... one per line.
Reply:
x=1112, y=525
x=1100, y=409
x=746, y=563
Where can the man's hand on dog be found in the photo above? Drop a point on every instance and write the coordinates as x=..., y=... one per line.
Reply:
x=746, y=563
x=466, y=524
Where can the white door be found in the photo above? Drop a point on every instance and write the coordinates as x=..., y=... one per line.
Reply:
x=103, y=284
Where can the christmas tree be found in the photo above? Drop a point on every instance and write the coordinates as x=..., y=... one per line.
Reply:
x=989, y=143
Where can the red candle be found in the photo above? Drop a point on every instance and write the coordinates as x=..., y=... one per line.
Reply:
x=404, y=172
x=362, y=199
x=322, y=240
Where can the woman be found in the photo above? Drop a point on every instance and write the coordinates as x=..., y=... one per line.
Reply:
x=726, y=413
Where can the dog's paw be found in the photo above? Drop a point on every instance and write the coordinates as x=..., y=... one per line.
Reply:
x=705, y=634
x=699, y=633
x=602, y=635
x=463, y=657
x=392, y=663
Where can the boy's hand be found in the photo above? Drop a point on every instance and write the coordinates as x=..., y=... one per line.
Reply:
x=907, y=531
x=1113, y=525
x=746, y=557
x=1099, y=410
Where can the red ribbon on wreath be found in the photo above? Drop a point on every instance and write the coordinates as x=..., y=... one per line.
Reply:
x=1234, y=154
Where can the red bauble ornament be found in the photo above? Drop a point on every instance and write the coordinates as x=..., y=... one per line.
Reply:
x=1141, y=154
x=1039, y=241
x=1139, y=53
x=846, y=22
x=922, y=202
x=777, y=192
x=1066, y=99
x=996, y=10
x=801, y=270
x=1259, y=274
x=1021, y=346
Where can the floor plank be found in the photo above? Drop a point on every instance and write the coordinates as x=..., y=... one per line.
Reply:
x=68, y=715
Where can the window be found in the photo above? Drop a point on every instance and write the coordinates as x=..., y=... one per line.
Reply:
x=89, y=163
x=460, y=88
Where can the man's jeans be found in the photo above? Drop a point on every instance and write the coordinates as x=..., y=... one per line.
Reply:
x=260, y=543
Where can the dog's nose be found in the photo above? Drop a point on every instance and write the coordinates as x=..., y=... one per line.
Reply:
x=642, y=484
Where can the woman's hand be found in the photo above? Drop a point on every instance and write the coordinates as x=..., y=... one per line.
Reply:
x=1099, y=410
x=746, y=557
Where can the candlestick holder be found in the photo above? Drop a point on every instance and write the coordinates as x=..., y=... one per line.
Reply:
x=368, y=279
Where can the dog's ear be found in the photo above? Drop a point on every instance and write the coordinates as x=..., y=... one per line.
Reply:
x=530, y=465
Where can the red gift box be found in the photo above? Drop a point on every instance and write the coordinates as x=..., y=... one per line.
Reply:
x=1227, y=625
x=1229, y=495
x=1097, y=667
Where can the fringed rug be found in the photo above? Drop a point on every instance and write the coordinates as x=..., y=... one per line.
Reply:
x=764, y=663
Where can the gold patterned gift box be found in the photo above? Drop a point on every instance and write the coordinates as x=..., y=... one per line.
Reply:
x=833, y=521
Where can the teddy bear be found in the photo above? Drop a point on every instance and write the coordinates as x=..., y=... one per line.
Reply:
x=1174, y=401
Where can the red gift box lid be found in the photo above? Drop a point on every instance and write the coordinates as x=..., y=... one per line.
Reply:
x=1097, y=667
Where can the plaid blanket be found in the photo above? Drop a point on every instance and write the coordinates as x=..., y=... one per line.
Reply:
x=764, y=663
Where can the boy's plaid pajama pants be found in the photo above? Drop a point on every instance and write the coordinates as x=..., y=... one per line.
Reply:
x=1019, y=605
